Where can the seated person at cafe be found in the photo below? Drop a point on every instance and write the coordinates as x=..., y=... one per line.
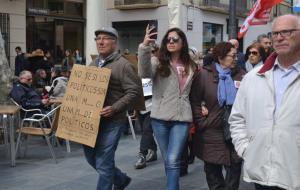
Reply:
x=25, y=95
x=39, y=82
x=59, y=84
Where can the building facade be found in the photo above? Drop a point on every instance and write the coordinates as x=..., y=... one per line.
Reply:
x=57, y=25
x=204, y=21
x=54, y=25
x=13, y=26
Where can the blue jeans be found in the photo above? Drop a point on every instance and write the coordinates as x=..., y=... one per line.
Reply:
x=171, y=137
x=102, y=156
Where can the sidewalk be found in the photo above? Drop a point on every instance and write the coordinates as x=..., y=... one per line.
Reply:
x=37, y=171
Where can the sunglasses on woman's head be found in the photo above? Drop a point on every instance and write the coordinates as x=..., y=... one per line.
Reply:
x=173, y=39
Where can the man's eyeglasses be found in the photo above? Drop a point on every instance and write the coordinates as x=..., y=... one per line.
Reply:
x=105, y=38
x=29, y=79
x=284, y=33
x=255, y=53
x=173, y=39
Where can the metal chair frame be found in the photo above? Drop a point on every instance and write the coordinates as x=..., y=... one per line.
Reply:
x=42, y=130
x=26, y=110
x=130, y=118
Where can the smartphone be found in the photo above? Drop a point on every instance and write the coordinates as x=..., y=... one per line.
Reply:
x=153, y=24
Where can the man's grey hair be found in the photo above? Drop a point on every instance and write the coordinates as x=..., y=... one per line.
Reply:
x=22, y=73
x=292, y=15
x=261, y=36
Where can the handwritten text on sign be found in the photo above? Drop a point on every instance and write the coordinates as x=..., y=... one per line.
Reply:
x=80, y=111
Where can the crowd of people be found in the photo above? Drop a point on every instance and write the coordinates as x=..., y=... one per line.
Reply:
x=234, y=111
x=39, y=79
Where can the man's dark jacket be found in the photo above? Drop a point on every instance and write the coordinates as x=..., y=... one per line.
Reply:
x=26, y=96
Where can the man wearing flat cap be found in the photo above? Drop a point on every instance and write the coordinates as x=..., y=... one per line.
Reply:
x=123, y=89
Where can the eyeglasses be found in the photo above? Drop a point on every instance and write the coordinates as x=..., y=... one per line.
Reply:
x=232, y=56
x=255, y=53
x=284, y=33
x=105, y=38
x=29, y=79
x=173, y=39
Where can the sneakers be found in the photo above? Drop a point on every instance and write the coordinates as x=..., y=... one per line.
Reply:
x=141, y=162
x=126, y=183
x=151, y=156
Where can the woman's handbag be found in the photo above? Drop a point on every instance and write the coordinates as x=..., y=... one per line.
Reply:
x=226, y=126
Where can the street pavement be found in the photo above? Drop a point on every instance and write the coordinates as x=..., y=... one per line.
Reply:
x=37, y=171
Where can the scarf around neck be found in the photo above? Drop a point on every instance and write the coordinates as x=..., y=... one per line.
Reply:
x=100, y=61
x=226, y=88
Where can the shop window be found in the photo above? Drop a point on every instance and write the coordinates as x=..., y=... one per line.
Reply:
x=56, y=6
x=38, y=4
x=74, y=9
x=4, y=27
x=212, y=34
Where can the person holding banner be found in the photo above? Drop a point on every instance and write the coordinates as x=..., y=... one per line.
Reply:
x=124, y=88
x=171, y=113
x=265, y=122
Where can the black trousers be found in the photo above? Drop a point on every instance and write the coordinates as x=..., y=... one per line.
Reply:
x=147, y=140
x=261, y=187
x=216, y=180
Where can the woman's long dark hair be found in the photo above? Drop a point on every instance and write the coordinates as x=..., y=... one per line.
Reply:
x=164, y=57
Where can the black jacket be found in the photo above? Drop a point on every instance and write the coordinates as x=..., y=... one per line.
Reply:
x=26, y=96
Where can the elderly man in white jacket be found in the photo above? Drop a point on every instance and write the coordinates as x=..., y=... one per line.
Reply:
x=265, y=121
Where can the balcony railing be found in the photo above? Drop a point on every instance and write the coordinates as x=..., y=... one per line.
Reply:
x=242, y=7
x=136, y=4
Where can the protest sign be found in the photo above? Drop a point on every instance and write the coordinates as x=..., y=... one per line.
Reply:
x=79, y=115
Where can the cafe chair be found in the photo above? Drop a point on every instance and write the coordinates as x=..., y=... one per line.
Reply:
x=41, y=129
x=26, y=111
x=130, y=119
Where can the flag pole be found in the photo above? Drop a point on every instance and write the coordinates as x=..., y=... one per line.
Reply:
x=232, y=30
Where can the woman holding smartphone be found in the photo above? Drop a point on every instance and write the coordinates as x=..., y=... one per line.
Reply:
x=171, y=112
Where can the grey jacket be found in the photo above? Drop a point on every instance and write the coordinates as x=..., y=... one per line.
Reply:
x=168, y=103
x=124, y=86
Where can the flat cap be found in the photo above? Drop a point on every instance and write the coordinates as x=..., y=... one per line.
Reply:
x=107, y=30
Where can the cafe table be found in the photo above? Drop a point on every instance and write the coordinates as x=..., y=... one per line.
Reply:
x=11, y=111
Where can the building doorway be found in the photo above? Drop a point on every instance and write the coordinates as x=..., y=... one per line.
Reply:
x=55, y=35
